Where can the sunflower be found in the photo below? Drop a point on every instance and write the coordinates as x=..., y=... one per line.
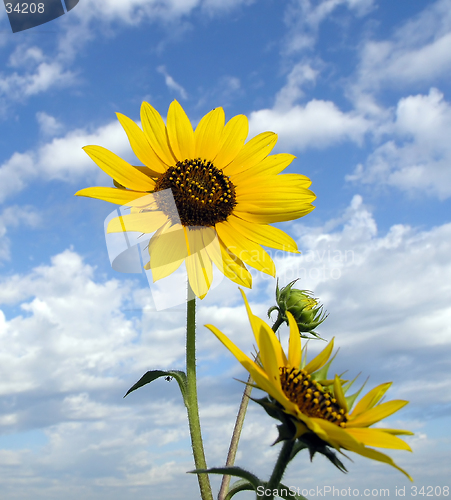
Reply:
x=208, y=196
x=316, y=406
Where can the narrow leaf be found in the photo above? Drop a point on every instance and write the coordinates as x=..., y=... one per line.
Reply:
x=152, y=375
x=241, y=485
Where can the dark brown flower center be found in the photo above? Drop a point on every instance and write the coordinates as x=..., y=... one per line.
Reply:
x=203, y=195
x=311, y=397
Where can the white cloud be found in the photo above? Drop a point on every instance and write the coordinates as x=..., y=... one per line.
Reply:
x=62, y=158
x=135, y=11
x=318, y=124
x=48, y=125
x=171, y=83
x=35, y=73
x=304, y=17
x=70, y=353
x=417, y=158
x=417, y=53
x=301, y=74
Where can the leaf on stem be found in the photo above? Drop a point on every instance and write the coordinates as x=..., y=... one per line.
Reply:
x=152, y=375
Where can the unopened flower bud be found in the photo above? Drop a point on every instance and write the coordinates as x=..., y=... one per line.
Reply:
x=305, y=309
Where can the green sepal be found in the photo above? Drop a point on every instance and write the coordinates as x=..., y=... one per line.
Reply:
x=152, y=375
x=317, y=445
x=252, y=479
x=350, y=400
x=287, y=431
x=271, y=309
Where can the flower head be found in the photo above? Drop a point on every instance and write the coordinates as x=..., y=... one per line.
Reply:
x=305, y=309
x=316, y=407
x=199, y=186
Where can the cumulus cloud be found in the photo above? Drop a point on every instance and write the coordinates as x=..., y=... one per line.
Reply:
x=417, y=53
x=62, y=158
x=417, y=158
x=318, y=124
x=70, y=351
x=34, y=73
x=301, y=74
x=48, y=124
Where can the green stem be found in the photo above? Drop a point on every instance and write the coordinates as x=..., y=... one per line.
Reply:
x=239, y=425
x=279, y=468
x=191, y=402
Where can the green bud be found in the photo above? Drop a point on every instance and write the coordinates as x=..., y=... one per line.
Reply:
x=305, y=309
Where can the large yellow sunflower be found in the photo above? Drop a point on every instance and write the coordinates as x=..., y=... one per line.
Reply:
x=202, y=186
x=318, y=406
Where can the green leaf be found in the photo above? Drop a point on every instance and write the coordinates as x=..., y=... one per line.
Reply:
x=241, y=485
x=231, y=471
x=152, y=375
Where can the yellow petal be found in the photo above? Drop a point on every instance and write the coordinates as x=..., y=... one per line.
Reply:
x=256, y=214
x=320, y=360
x=294, y=345
x=371, y=399
x=155, y=131
x=339, y=395
x=232, y=140
x=233, y=269
x=399, y=432
x=180, y=132
x=113, y=195
x=271, y=165
x=260, y=377
x=146, y=222
x=264, y=235
x=379, y=412
x=245, y=249
x=167, y=250
x=119, y=169
x=380, y=457
x=378, y=438
x=268, y=353
x=252, y=318
x=273, y=183
x=252, y=153
x=198, y=263
x=335, y=435
x=200, y=273
x=208, y=133
x=141, y=146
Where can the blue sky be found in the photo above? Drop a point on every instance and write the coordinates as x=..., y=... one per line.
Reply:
x=359, y=91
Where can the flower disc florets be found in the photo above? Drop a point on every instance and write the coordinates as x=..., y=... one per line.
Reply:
x=203, y=195
x=311, y=397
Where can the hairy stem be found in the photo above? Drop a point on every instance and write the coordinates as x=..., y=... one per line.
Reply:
x=191, y=401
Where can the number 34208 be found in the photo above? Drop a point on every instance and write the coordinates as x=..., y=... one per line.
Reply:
x=27, y=8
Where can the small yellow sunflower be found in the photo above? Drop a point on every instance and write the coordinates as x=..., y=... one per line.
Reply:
x=202, y=186
x=315, y=405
